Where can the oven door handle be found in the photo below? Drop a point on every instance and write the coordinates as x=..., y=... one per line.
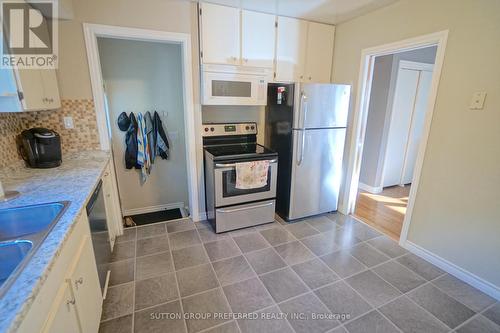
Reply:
x=223, y=210
x=233, y=165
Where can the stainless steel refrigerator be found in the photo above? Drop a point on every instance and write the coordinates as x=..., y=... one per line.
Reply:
x=306, y=125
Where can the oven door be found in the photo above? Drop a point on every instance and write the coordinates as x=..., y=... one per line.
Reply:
x=226, y=192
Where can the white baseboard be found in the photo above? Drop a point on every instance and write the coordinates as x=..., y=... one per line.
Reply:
x=150, y=209
x=370, y=189
x=460, y=273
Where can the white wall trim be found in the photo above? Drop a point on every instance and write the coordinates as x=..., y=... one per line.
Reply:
x=418, y=66
x=371, y=189
x=150, y=209
x=361, y=113
x=462, y=274
x=91, y=32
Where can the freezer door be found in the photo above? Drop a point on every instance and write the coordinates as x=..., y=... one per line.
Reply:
x=322, y=105
x=316, y=171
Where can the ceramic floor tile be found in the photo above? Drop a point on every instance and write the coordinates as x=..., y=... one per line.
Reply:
x=121, y=324
x=464, y=293
x=122, y=251
x=119, y=301
x=221, y=249
x=121, y=272
x=196, y=279
x=153, y=265
x=157, y=290
x=343, y=237
x=340, y=329
x=479, y=324
x=340, y=219
x=307, y=305
x=208, y=235
x=373, y=288
x=294, y=252
x=152, y=230
x=129, y=234
x=212, y=301
x=229, y=327
x=250, y=242
x=343, y=263
x=233, y=270
x=152, y=321
x=387, y=246
x=301, y=229
x=268, y=320
x=442, y=306
x=283, y=284
x=399, y=276
x=315, y=273
x=182, y=225
x=371, y=322
x=321, y=244
x=247, y=296
x=152, y=245
x=265, y=260
x=322, y=223
x=364, y=232
x=189, y=256
x=493, y=313
x=182, y=239
x=409, y=317
x=341, y=299
x=420, y=266
x=277, y=236
x=367, y=255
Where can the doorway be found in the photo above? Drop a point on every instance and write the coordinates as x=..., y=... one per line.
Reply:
x=397, y=90
x=138, y=70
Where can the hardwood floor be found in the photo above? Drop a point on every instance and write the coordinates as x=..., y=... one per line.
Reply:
x=384, y=211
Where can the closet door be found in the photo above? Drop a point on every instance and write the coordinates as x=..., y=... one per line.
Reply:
x=404, y=101
x=417, y=126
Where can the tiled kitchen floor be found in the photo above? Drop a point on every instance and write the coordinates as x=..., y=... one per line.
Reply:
x=168, y=277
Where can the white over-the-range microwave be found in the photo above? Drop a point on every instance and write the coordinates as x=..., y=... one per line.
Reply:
x=234, y=85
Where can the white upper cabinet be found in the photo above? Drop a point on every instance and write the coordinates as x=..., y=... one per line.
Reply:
x=220, y=34
x=258, y=39
x=290, y=49
x=319, y=52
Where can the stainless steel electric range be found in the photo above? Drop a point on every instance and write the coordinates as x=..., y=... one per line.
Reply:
x=229, y=208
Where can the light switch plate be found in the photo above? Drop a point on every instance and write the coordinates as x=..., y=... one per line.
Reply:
x=68, y=123
x=477, y=101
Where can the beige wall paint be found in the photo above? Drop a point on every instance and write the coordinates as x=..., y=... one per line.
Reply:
x=456, y=213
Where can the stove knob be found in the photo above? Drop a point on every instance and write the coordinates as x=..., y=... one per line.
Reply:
x=206, y=129
x=253, y=127
x=247, y=127
x=212, y=129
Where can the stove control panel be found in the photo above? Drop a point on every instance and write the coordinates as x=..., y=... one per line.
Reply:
x=228, y=129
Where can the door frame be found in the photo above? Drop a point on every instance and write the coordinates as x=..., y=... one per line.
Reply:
x=362, y=101
x=91, y=33
x=410, y=65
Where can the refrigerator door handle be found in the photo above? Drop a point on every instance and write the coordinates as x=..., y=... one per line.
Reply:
x=302, y=109
x=302, y=144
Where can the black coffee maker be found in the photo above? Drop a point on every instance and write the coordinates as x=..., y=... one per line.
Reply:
x=40, y=147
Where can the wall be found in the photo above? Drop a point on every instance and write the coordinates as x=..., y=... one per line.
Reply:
x=456, y=209
x=142, y=76
x=379, y=111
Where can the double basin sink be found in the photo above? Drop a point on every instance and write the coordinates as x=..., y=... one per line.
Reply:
x=22, y=230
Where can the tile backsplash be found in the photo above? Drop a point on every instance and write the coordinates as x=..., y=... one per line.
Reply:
x=83, y=136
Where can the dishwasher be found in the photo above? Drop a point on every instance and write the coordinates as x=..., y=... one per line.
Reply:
x=96, y=212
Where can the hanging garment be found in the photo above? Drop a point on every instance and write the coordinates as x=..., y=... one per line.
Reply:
x=131, y=143
x=142, y=147
x=151, y=134
x=162, y=146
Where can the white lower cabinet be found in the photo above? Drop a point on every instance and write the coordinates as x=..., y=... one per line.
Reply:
x=63, y=317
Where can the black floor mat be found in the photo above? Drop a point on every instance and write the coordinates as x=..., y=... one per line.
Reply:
x=160, y=216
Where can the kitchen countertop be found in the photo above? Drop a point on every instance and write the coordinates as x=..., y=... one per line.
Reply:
x=73, y=181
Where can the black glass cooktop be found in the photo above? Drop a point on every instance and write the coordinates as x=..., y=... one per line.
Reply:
x=239, y=151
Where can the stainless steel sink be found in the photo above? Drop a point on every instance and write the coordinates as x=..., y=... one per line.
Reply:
x=22, y=230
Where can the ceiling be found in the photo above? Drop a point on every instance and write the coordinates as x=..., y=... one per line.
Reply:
x=326, y=11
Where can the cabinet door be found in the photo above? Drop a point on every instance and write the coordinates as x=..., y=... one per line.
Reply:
x=319, y=52
x=31, y=85
x=50, y=89
x=220, y=34
x=113, y=214
x=87, y=291
x=290, y=49
x=258, y=39
x=9, y=98
x=63, y=316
